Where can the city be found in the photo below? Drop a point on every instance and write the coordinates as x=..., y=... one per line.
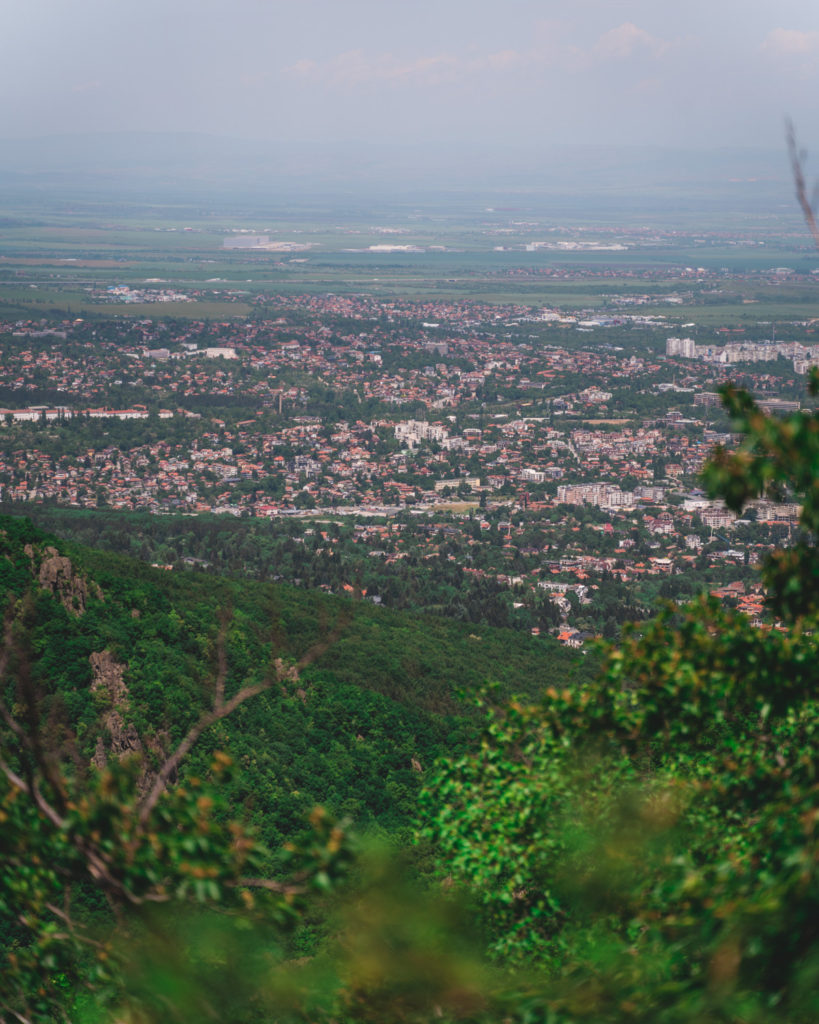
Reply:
x=547, y=461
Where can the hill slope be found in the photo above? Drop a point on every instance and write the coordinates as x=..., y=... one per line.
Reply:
x=126, y=657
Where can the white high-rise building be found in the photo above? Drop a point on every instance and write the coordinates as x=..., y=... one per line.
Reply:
x=685, y=347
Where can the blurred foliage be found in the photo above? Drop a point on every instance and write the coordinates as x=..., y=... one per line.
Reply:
x=647, y=844
x=85, y=871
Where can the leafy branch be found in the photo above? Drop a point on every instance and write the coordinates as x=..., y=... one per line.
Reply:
x=63, y=828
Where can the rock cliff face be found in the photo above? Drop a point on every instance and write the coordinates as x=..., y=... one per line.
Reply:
x=122, y=738
x=119, y=738
x=58, y=575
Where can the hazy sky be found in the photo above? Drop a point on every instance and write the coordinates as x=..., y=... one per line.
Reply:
x=688, y=73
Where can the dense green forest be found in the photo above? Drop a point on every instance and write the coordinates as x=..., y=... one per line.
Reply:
x=389, y=688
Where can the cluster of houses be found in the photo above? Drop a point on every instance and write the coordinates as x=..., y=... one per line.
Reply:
x=436, y=372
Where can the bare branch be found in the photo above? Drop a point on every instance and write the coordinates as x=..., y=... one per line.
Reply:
x=73, y=933
x=797, y=158
x=96, y=864
x=46, y=807
x=31, y=789
x=222, y=708
x=221, y=659
x=206, y=720
x=294, y=888
x=321, y=646
x=14, y=778
x=40, y=768
x=17, y=1016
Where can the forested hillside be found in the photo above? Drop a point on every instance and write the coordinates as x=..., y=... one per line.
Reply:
x=384, y=695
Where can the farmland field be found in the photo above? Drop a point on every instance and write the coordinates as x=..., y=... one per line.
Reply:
x=63, y=260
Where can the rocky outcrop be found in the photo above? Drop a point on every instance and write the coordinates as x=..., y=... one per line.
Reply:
x=122, y=739
x=58, y=575
x=118, y=737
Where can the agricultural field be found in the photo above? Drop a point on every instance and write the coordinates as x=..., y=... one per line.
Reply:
x=66, y=254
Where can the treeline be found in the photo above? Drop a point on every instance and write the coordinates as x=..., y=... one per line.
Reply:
x=312, y=555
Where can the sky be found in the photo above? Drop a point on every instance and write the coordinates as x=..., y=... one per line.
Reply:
x=688, y=74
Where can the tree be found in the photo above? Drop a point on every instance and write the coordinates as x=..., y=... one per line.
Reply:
x=91, y=856
x=648, y=844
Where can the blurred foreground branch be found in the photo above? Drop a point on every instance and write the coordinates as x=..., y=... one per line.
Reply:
x=807, y=203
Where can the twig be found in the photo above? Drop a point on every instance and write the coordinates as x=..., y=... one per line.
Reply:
x=798, y=169
x=85, y=940
x=321, y=646
x=221, y=709
x=17, y=1016
x=221, y=659
x=40, y=767
x=294, y=888
x=209, y=718
x=31, y=789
